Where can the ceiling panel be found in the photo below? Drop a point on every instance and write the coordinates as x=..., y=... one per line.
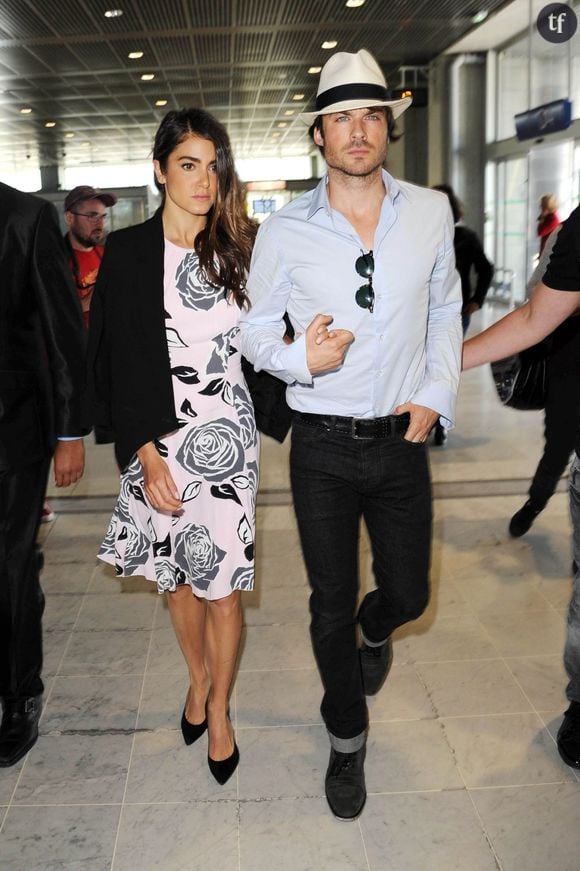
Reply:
x=65, y=17
x=19, y=20
x=244, y=58
x=20, y=60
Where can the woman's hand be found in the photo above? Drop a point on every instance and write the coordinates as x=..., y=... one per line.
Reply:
x=160, y=487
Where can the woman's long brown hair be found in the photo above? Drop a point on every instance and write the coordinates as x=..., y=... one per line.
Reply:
x=224, y=246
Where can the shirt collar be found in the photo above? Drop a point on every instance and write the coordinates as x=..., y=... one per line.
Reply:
x=320, y=195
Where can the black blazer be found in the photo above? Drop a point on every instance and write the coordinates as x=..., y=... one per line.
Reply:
x=129, y=387
x=469, y=254
x=42, y=334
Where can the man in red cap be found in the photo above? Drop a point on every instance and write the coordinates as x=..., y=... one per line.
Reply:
x=85, y=213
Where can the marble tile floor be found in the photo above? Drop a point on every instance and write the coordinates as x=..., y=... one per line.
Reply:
x=462, y=767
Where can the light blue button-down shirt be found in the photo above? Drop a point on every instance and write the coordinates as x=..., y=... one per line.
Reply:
x=408, y=349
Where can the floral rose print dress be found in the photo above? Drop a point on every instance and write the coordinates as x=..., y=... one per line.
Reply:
x=213, y=456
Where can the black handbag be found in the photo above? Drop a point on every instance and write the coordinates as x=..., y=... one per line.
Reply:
x=520, y=380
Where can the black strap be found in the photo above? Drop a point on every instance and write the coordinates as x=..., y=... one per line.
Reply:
x=351, y=92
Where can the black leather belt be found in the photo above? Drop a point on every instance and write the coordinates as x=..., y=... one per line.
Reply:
x=357, y=427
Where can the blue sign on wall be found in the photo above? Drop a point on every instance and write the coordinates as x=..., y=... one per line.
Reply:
x=543, y=119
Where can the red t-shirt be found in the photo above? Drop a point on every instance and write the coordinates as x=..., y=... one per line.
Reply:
x=88, y=263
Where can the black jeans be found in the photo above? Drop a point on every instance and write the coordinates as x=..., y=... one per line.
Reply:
x=562, y=413
x=21, y=596
x=336, y=480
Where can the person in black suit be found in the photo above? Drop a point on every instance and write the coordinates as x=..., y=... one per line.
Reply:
x=41, y=378
x=469, y=258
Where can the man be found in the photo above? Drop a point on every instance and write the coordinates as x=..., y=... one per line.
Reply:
x=554, y=300
x=41, y=378
x=469, y=258
x=85, y=215
x=373, y=257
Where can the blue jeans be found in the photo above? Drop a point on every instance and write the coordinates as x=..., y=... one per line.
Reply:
x=572, y=647
x=336, y=480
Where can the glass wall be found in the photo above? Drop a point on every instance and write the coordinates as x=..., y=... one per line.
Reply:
x=532, y=71
x=511, y=223
x=512, y=86
x=551, y=172
x=529, y=72
x=549, y=65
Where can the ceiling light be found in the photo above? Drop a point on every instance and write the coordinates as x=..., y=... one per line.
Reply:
x=85, y=143
x=147, y=77
x=50, y=124
x=314, y=70
x=329, y=43
x=283, y=124
x=26, y=110
x=289, y=112
x=354, y=4
x=479, y=16
x=113, y=13
x=275, y=135
x=69, y=135
x=135, y=55
x=161, y=102
x=298, y=97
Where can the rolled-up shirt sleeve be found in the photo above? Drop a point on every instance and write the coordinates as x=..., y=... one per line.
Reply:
x=262, y=326
x=444, y=334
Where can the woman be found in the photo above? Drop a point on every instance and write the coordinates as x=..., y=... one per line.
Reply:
x=165, y=372
x=548, y=218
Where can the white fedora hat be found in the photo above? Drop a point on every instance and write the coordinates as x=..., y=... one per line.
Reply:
x=352, y=81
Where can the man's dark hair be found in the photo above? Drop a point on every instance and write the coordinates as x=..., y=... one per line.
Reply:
x=392, y=134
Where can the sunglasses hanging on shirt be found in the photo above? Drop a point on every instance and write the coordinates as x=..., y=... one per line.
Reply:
x=365, y=267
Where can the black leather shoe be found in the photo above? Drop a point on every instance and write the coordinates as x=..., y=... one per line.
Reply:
x=223, y=770
x=345, y=784
x=19, y=729
x=192, y=731
x=523, y=519
x=375, y=663
x=569, y=736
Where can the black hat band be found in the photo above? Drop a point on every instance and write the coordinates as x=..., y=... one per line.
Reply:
x=353, y=91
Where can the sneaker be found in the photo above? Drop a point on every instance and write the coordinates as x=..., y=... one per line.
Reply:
x=375, y=663
x=569, y=736
x=47, y=515
x=345, y=784
x=523, y=519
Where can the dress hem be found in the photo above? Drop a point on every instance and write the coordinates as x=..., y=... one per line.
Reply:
x=201, y=594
